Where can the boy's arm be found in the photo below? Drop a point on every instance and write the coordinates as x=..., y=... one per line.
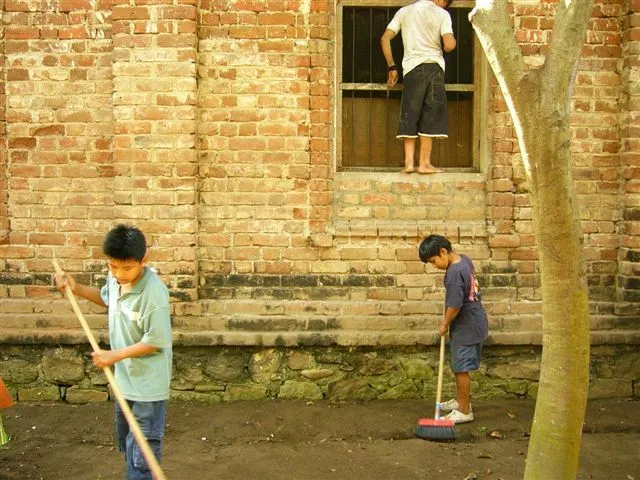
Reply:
x=385, y=43
x=448, y=42
x=449, y=315
x=85, y=291
x=106, y=358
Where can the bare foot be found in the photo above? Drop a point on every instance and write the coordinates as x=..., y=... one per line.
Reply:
x=430, y=169
x=408, y=170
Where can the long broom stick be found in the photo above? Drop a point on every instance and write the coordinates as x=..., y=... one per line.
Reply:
x=149, y=456
x=437, y=428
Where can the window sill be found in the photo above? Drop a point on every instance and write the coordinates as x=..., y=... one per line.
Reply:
x=391, y=175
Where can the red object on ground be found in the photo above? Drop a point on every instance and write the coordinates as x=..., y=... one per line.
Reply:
x=432, y=422
x=6, y=400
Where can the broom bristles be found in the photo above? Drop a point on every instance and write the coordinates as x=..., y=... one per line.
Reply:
x=436, y=429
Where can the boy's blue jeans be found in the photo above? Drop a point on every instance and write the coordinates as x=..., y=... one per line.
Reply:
x=151, y=417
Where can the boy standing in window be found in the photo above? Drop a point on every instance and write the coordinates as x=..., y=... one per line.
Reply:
x=464, y=317
x=140, y=338
x=426, y=31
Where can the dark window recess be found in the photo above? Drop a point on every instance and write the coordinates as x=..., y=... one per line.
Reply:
x=370, y=111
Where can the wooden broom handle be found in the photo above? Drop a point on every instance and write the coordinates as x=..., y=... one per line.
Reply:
x=149, y=456
x=440, y=369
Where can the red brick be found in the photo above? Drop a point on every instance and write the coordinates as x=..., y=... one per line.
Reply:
x=18, y=32
x=49, y=130
x=129, y=13
x=46, y=239
x=22, y=143
x=247, y=32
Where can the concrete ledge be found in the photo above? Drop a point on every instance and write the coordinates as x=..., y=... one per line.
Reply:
x=350, y=338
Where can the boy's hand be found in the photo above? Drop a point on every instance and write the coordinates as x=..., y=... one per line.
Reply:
x=104, y=358
x=392, y=80
x=443, y=329
x=62, y=280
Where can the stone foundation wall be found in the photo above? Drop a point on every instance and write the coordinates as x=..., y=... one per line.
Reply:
x=222, y=374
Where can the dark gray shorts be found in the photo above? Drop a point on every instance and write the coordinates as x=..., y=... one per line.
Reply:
x=423, y=109
x=465, y=358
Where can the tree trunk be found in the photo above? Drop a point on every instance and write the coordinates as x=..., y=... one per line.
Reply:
x=539, y=103
x=554, y=448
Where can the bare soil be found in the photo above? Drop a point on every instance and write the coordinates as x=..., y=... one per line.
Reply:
x=321, y=440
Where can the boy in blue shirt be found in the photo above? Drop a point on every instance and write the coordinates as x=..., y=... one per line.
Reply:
x=140, y=338
x=464, y=317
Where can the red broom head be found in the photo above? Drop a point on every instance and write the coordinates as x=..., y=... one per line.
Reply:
x=5, y=397
x=432, y=422
x=439, y=430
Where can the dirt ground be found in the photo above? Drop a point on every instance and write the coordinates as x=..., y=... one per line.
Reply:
x=303, y=440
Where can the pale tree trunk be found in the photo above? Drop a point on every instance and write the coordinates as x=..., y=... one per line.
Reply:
x=539, y=103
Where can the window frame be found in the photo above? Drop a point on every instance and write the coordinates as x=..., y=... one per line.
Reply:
x=479, y=87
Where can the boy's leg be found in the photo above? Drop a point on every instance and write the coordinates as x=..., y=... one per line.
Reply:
x=464, y=359
x=151, y=417
x=409, y=151
x=433, y=117
x=410, y=110
x=121, y=430
x=426, y=145
x=463, y=391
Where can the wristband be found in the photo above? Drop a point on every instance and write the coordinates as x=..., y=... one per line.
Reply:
x=393, y=68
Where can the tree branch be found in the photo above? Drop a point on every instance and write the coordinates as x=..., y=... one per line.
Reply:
x=490, y=20
x=567, y=39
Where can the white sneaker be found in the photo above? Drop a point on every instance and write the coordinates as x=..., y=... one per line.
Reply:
x=449, y=405
x=456, y=416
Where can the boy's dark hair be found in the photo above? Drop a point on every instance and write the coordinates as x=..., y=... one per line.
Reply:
x=125, y=242
x=449, y=2
x=430, y=247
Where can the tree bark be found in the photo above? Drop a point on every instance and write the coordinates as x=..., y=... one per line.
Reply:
x=539, y=103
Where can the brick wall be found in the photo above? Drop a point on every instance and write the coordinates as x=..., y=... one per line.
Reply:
x=628, y=280
x=211, y=125
x=4, y=218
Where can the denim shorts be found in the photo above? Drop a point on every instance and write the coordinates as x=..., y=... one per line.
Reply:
x=465, y=358
x=151, y=418
x=423, y=109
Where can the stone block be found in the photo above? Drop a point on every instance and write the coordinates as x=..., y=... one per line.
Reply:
x=226, y=368
x=527, y=370
x=532, y=391
x=264, y=365
x=19, y=371
x=39, y=394
x=406, y=389
x=610, y=387
x=295, y=390
x=63, y=366
x=371, y=365
x=317, y=373
x=244, y=392
x=416, y=368
x=300, y=360
x=209, y=387
x=80, y=396
x=206, y=398
x=352, y=389
x=518, y=387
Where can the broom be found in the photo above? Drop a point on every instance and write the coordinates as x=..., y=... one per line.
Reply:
x=148, y=454
x=5, y=401
x=437, y=428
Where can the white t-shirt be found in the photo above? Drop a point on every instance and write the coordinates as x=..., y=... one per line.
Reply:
x=422, y=24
